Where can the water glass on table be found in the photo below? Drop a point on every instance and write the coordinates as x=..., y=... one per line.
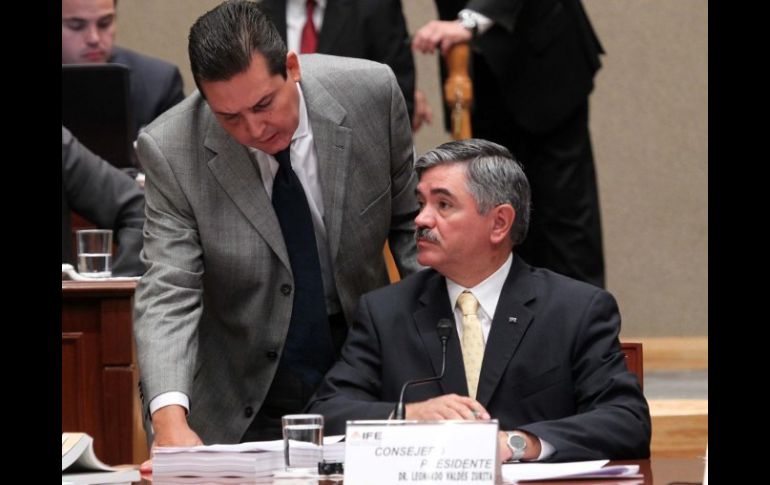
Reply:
x=302, y=440
x=95, y=252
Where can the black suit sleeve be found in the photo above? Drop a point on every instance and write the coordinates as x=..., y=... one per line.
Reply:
x=353, y=385
x=106, y=197
x=612, y=419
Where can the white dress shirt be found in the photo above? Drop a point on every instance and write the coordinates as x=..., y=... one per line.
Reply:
x=483, y=23
x=488, y=294
x=296, y=16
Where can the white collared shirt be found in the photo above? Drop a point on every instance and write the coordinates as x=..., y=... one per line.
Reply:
x=296, y=16
x=487, y=293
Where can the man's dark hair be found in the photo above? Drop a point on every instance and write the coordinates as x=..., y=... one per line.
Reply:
x=494, y=177
x=223, y=41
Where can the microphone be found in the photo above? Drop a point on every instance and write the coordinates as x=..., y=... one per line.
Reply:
x=444, y=330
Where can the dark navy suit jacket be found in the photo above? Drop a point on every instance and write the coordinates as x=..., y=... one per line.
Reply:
x=552, y=366
x=156, y=86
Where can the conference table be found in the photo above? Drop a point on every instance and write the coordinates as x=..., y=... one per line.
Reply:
x=660, y=471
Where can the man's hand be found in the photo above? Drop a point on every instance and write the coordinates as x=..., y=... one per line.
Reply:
x=171, y=429
x=422, y=112
x=448, y=406
x=439, y=33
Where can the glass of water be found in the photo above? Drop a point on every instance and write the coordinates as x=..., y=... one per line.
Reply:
x=302, y=440
x=95, y=252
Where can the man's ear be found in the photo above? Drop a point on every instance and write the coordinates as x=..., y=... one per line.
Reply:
x=292, y=67
x=503, y=216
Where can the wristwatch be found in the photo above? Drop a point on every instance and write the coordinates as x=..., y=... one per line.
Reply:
x=468, y=21
x=517, y=444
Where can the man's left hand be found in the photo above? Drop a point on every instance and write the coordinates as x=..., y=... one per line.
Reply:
x=439, y=33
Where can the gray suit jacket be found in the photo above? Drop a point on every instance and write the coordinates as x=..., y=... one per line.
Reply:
x=210, y=316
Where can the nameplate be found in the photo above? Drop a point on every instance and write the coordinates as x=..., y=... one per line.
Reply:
x=420, y=452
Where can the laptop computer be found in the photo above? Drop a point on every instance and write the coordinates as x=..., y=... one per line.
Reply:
x=96, y=108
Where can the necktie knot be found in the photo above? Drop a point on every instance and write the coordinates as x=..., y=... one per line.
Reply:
x=468, y=303
x=283, y=157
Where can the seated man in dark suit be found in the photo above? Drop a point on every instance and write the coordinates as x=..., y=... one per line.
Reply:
x=106, y=197
x=536, y=350
x=87, y=35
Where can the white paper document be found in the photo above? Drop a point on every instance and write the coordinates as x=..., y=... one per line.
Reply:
x=518, y=472
x=251, y=459
x=68, y=273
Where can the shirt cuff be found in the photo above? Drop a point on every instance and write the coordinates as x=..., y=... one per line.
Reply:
x=483, y=22
x=546, y=449
x=168, y=399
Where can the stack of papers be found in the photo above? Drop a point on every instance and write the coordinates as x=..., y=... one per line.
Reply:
x=334, y=448
x=216, y=461
x=250, y=460
x=208, y=481
x=522, y=472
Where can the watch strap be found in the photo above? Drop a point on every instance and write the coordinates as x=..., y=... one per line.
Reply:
x=517, y=451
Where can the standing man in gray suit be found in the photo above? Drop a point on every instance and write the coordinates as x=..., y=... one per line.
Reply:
x=227, y=333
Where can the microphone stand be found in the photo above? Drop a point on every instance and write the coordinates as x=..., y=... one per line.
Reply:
x=444, y=330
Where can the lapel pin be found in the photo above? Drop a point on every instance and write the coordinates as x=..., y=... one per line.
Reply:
x=511, y=319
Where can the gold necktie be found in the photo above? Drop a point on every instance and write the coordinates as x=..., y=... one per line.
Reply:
x=472, y=341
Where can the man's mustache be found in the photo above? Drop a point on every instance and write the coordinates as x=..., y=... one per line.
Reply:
x=425, y=233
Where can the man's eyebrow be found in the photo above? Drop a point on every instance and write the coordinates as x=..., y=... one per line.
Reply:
x=441, y=191
x=261, y=100
x=75, y=18
x=436, y=191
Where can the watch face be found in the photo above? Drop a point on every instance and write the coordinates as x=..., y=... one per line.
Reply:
x=517, y=442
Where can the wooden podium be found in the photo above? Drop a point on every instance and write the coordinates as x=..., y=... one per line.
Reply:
x=99, y=372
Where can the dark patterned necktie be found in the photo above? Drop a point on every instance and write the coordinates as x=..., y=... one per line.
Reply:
x=308, y=348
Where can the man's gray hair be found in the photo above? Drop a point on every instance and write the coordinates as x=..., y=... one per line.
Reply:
x=494, y=177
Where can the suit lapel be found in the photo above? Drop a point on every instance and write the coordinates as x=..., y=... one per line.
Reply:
x=239, y=177
x=434, y=305
x=510, y=323
x=333, y=148
x=336, y=17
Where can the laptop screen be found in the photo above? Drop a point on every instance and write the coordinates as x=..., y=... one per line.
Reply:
x=96, y=109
